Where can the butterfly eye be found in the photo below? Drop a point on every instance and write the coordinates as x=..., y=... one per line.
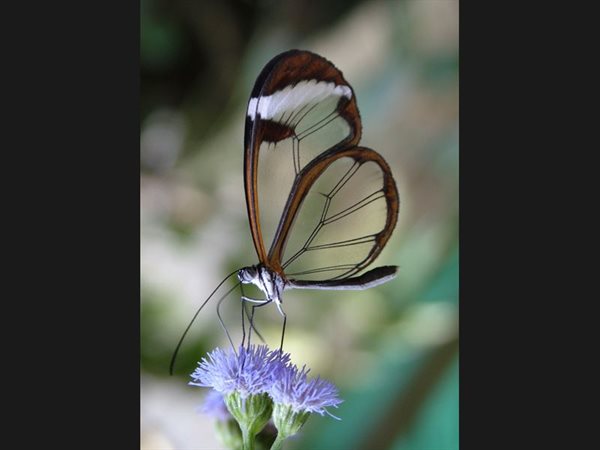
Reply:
x=247, y=274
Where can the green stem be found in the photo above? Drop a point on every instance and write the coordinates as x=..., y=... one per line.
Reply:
x=247, y=439
x=278, y=444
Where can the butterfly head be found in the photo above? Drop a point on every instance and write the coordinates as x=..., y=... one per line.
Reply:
x=248, y=274
x=267, y=280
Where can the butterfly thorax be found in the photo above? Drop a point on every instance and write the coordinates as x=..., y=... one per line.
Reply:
x=267, y=280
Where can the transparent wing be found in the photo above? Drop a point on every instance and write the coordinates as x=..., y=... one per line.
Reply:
x=300, y=108
x=341, y=212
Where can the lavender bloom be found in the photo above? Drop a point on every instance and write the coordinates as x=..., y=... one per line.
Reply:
x=214, y=405
x=294, y=390
x=251, y=371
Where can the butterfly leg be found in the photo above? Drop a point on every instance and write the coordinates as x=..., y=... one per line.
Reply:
x=258, y=303
x=223, y=323
x=255, y=300
x=252, y=327
x=246, y=314
x=284, y=323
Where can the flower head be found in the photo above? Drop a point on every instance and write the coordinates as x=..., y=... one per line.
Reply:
x=256, y=385
x=293, y=389
x=251, y=371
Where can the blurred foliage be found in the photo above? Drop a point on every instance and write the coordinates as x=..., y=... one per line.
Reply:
x=392, y=350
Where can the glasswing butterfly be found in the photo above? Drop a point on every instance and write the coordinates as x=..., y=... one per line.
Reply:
x=301, y=156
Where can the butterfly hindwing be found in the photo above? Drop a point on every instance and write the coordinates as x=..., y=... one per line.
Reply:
x=339, y=215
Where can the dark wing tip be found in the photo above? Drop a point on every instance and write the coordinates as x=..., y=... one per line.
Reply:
x=386, y=270
x=378, y=275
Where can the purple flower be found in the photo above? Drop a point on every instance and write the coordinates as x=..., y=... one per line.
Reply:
x=214, y=405
x=293, y=389
x=251, y=371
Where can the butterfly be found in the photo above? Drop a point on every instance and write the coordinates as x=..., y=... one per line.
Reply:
x=302, y=116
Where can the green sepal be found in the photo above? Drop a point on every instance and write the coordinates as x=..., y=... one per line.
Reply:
x=252, y=412
x=287, y=421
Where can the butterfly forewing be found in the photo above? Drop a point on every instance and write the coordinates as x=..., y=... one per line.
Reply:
x=300, y=107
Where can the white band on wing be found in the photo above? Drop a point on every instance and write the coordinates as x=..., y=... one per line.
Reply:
x=294, y=97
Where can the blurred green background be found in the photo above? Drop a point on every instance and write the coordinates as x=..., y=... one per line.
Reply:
x=392, y=350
